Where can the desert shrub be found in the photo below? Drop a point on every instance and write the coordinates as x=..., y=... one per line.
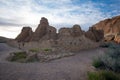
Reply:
x=110, y=45
x=97, y=63
x=47, y=49
x=109, y=64
x=94, y=76
x=103, y=75
x=34, y=50
x=110, y=60
x=18, y=56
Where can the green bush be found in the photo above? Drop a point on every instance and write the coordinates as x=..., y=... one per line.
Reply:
x=47, y=49
x=97, y=63
x=34, y=50
x=18, y=56
x=94, y=76
x=103, y=75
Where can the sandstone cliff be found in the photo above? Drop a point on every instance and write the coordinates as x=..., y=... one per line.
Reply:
x=109, y=25
x=111, y=28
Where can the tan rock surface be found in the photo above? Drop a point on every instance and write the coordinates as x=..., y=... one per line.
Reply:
x=41, y=30
x=95, y=35
x=25, y=34
x=117, y=38
x=109, y=25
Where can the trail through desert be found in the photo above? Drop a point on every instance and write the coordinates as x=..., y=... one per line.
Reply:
x=67, y=68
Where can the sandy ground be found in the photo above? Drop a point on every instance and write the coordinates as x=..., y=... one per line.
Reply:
x=68, y=68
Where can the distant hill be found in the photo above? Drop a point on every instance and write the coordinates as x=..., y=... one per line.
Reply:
x=3, y=39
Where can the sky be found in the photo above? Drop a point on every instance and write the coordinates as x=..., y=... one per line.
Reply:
x=15, y=14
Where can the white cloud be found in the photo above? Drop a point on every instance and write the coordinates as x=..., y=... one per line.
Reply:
x=59, y=13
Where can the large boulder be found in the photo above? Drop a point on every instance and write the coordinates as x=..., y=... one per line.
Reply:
x=25, y=34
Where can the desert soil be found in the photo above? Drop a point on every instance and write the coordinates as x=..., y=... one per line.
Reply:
x=67, y=68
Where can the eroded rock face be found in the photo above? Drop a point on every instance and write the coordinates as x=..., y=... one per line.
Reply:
x=75, y=31
x=25, y=34
x=109, y=25
x=64, y=32
x=41, y=30
x=90, y=35
x=95, y=35
x=117, y=38
x=51, y=32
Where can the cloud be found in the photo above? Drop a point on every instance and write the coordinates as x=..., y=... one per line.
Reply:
x=60, y=13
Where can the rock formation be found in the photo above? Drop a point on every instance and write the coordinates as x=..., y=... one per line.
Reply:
x=44, y=31
x=70, y=39
x=117, y=38
x=25, y=34
x=109, y=26
x=95, y=35
x=41, y=29
x=75, y=31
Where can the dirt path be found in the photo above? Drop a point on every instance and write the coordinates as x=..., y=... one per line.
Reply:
x=68, y=68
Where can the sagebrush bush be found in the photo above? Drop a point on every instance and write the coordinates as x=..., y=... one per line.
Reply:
x=18, y=56
x=97, y=63
x=47, y=49
x=110, y=60
x=103, y=75
x=34, y=50
x=110, y=45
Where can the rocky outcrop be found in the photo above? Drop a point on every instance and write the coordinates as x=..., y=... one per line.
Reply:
x=44, y=31
x=64, y=32
x=41, y=30
x=95, y=35
x=109, y=26
x=70, y=39
x=117, y=38
x=25, y=34
x=75, y=31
